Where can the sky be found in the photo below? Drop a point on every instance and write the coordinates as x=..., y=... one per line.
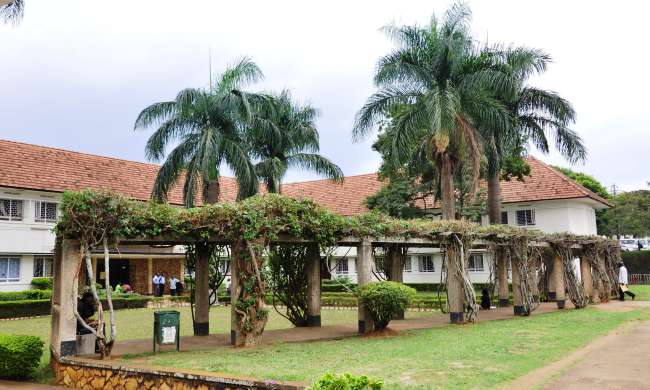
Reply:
x=75, y=74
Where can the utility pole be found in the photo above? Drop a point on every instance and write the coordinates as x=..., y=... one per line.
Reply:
x=613, y=189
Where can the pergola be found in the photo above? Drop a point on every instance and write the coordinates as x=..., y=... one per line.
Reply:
x=250, y=227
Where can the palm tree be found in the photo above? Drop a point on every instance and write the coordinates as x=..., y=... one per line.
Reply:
x=538, y=114
x=284, y=136
x=11, y=11
x=209, y=127
x=436, y=75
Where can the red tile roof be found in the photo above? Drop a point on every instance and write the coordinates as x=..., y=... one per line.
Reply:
x=42, y=168
x=48, y=169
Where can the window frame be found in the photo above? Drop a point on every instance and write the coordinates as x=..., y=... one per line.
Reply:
x=337, y=267
x=21, y=209
x=44, y=260
x=38, y=211
x=421, y=263
x=528, y=217
x=408, y=262
x=504, y=218
x=7, y=260
x=473, y=267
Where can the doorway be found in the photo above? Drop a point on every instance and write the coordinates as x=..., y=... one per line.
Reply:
x=120, y=273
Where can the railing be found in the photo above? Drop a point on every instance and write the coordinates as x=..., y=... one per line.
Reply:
x=640, y=279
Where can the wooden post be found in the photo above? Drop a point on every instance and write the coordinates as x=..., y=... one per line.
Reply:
x=586, y=277
x=64, y=298
x=150, y=276
x=454, y=286
x=202, y=291
x=517, y=298
x=313, y=285
x=395, y=265
x=502, y=277
x=557, y=277
x=364, y=276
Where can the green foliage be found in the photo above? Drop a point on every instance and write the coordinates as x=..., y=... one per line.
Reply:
x=288, y=281
x=629, y=216
x=637, y=262
x=397, y=198
x=25, y=308
x=587, y=181
x=25, y=295
x=19, y=356
x=43, y=283
x=346, y=382
x=385, y=300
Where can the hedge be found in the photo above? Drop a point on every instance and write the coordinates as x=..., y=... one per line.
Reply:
x=19, y=356
x=637, y=262
x=25, y=295
x=28, y=308
x=43, y=283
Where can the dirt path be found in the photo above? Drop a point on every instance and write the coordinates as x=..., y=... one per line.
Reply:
x=619, y=360
x=9, y=385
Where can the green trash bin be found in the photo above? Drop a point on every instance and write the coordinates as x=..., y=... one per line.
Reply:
x=166, y=328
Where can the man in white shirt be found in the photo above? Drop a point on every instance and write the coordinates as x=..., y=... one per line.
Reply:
x=622, y=283
x=155, y=280
x=161, y=281
x=172, y=286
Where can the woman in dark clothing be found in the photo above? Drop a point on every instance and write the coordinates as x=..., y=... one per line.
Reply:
x=485, y=300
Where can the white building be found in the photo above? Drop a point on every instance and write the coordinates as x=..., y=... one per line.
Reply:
x=32, y=179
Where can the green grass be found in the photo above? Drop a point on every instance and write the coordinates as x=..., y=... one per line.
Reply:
x=642, y=292
x=483, y=355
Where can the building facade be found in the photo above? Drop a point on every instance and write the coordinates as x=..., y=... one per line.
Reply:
x=32, y=179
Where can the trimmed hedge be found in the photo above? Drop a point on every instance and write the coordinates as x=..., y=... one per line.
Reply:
x=637, y=262
x=25, y=308
x=25, y=295
x=346, y=381
x=385, y=300
x=19, y=356
x=43, y=283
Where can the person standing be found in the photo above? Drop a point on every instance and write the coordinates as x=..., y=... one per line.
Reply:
x=172, y=286
x=155, y=282
x=161, y=281
x=622, y=283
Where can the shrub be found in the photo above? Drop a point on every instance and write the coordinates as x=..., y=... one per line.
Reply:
x=346, y=382
x=31, y=308
x=637, y=262
x=19, y=356
x=43, y=283
x=385, y=300
x=25, y=295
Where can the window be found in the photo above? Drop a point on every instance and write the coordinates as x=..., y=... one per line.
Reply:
x=45, y=211
x=426, y=264
x=475, y=263
x=407, y=264
x=342, y=266
x=504, y=218
x=9, y=269
x=11, y=210
x=43, y=267
x=526, y=217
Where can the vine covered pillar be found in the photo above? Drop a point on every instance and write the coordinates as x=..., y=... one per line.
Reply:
x=455, y=297
x=364, y=276
x=533, y=266
x=395, y=264
x=235, y=336
x=517, y=297
x=557, y=281
x=64, y=297
x=313, y=285
x=202, y=290
x=586, y=277
x=502, y=276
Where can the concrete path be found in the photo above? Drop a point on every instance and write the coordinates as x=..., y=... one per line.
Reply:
x=619, y=360
x=9, y=385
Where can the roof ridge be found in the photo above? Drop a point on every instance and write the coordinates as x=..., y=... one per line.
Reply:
x=344, y=177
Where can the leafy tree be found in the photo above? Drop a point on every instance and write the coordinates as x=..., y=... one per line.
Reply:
x=629, y=216
x=12, y=11
x=587, y=181
x=283, y=136
x=209, y=126
x=538, y=114
x=436, y=79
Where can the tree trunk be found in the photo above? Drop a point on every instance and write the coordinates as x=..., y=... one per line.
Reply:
x=212, y=192
x=494, y=199
x=447, y=188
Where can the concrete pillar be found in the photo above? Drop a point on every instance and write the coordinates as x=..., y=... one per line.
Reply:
x=517, y=297
x=364, y=276
x=533, y=278
x=150, y=276
x=202, y=291
x=313, y=285
x=557, y=278
x=585, y=275
x=455, y=296
x=502, y=276
x=234, y=285
x=395, y=264
x=64, y=298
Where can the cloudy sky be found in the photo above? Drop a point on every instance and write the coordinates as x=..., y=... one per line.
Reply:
x=75, y=74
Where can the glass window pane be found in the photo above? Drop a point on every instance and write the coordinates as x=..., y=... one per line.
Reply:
x=38, y=267
x=3, y=269
x=13, y=273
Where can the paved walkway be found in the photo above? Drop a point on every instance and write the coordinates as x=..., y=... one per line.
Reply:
x=619, y=360
x=193, y=343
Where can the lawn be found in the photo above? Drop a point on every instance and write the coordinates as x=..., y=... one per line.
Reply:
x=483, y=355
x=642, y=292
